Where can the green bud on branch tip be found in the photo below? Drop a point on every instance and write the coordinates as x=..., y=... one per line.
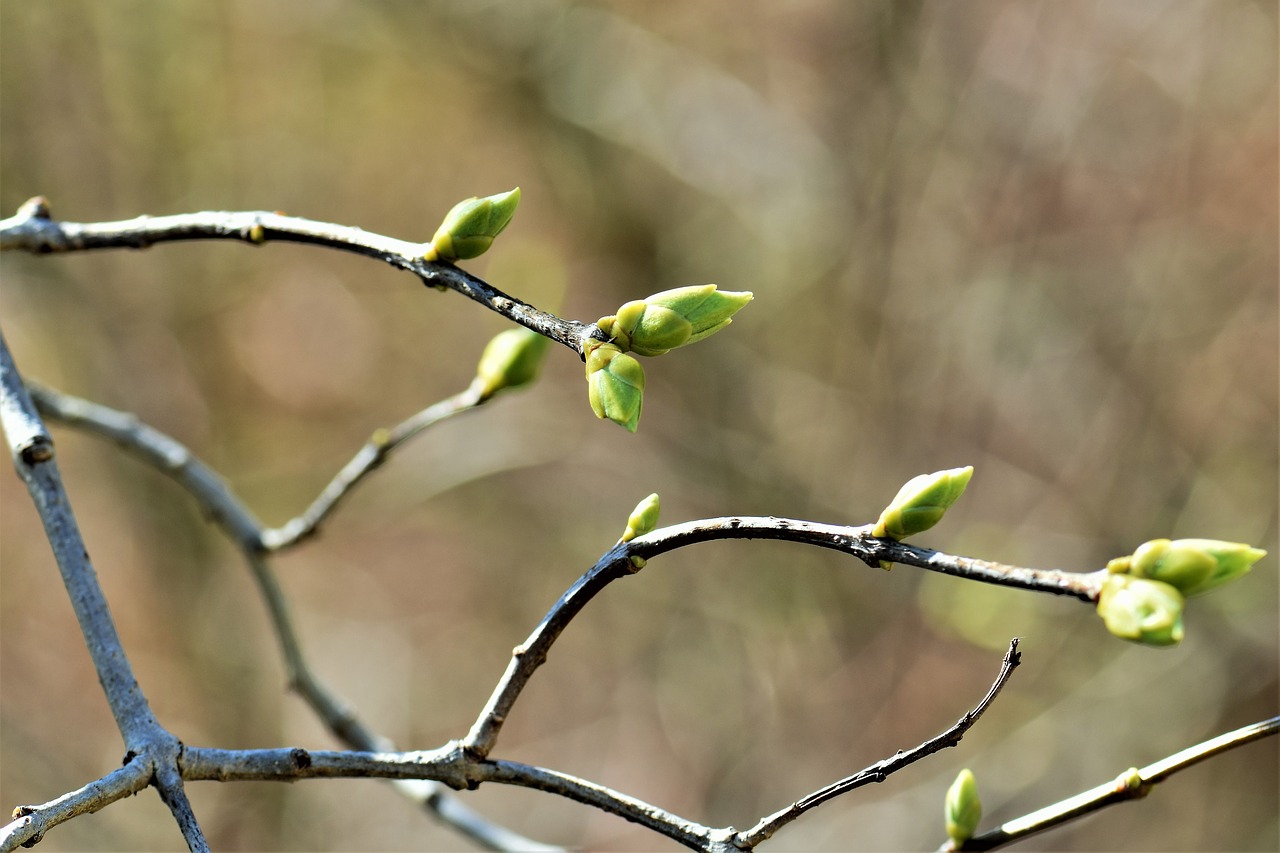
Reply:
x=921, y=503
x=1141, y=610
x=1192, y=566
x=664, y=321
x=469, y=228
x=615, y=384
x=963, y=809
x=511, y=359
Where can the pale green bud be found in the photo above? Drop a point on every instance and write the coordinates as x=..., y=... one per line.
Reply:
x=469, y=228
x=672, y=318
x=615, y=384
x=1194, y=566
x=1141, y=610
x=511, y=359
x=963, y=809
x=644, y=518
x=921, y=503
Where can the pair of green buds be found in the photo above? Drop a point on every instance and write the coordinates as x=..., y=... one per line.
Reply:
x=1143, y=596
x=651, y=326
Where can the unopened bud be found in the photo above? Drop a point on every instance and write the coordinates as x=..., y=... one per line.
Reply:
x=921, y=503
x=615, y=384
x=1193, y=566
x=1141, y=610
x=643, y=519
x=672, y=318
x=469, y=228
x=511, y=359
x=963, y=809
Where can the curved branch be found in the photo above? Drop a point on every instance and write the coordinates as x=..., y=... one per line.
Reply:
x=857, y=541
x=33, y=229
x=1131, y=785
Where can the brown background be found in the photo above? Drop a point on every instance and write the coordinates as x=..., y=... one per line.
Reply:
x=1034, y=237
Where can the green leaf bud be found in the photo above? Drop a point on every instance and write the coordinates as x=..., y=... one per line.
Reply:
x=963, y=808
x=615, y=384
x=673, y=318
x=1141, y=610
x=1194, y=566
x=511, y=359
x=644, y=518
x=469, y=228
x=921, y=503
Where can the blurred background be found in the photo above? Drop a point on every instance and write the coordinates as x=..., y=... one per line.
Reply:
x=1034, y=237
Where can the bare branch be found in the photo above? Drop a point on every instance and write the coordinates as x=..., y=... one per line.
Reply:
x=147, y=741
x=239, y=523
x=370, y=456
x=1131, y=785
x=858, y=541
x=32, y=822
x=881, y=770
x=32, y=229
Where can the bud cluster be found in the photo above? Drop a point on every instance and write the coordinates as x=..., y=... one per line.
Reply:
x=651, y=326
x=1143, y=597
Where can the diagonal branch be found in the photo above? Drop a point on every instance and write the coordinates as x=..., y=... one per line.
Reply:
x=32, y=822
x=881, y=770
x=33, y=229
x=373, y=454
x=1131, y=785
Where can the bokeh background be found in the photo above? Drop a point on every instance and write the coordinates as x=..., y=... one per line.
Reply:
x=1034, y=237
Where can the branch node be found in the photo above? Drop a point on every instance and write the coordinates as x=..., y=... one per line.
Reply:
x=38, y=449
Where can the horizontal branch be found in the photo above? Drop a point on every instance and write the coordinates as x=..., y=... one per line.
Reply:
x=33, y=229
x=1131, y=785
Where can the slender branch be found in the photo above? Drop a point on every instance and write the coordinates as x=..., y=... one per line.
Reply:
x=1131, y=785
x=32, y=229
x=881, y=770
x=373, y=454
x=161, y=452
x=32, y=822
x=858, y=541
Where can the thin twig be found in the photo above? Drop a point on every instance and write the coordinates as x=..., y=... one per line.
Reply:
x=32, y=229
x=881, y=770
x=32, y=822
x=373, y=454
x=1131, y=785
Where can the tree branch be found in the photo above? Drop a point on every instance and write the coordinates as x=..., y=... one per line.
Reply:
x=858, y=541
x=33, y=229
x=32, y=822
x=222, y=505
x=1131, y=785
x=881, y=770
x=33, y=456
